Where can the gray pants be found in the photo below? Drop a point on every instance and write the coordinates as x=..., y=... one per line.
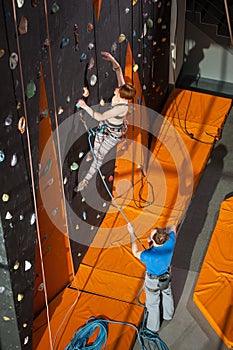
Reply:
x=153, y=302
x=102, y=145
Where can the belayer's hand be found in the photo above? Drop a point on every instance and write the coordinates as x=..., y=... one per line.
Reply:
x=130, y=228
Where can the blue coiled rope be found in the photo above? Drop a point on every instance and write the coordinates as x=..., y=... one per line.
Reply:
x=146, y=338
x=81, y=337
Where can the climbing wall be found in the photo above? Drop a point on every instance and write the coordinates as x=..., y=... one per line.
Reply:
x=65, y=39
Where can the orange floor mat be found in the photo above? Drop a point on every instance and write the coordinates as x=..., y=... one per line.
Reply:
x=213, y=292
x=109, y=271
x=71, y=309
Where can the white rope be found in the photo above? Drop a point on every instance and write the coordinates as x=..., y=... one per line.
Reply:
x=32, y=175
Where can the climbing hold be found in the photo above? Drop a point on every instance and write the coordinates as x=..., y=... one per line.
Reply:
x=150, y=23
x=21, y=217
x=6, y=318
x=79, y=254
x=5, y=197
x=91, y=63
x=110, y=179
x=34, y=3
x=83, y=57
x=18, y=106
x=91, y=46
x=16, y=265
x=134, y=2
x=8, y=120
x=76, y=34
x=144, y=31
x=55, y=8
x=74, y=166
x=114, y=47
x=8, y=216
x=144, y=87
x=104, y=204
x=2, y=53
x=25, y=341
x=2, y=156
x=92, y=228
x=2, y=289
x=80, y=154
x=31, y=89
x=164, y=26
x=145, y=60
x=23, y=25
x=121, y=38
x=33, y=219
x=55, y=211
x=60, y=110
x=102, y=102
x=64, y=43
x=90, y=27
x=40, y=287
x=20, y=297
x=65, y=180
x=14, y=160
x=48, y=249
x=135, y=68
x=164, y=40
x=159, y=4
x=77, y=227
x=13, y=60
x=127, y=10
x=106, y=75
x=134, y=33
x=22, y=124
x=47, y=167
x=85, y=92
x=97, y=216
x=25, y=325
x=44, y=113
x=149, y=37
x=20, y=3
x=84, y=215
x=83, y=199
x=93, y=80
x=159, y=20
x=68, y=99
x=27, y=265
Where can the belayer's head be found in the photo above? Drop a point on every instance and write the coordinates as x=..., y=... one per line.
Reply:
x=127, y=91
x=158, y=236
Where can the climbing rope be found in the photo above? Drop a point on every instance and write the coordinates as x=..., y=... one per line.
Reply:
x=146, y=338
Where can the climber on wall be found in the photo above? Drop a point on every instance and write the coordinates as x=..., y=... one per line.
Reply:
x=111, y=122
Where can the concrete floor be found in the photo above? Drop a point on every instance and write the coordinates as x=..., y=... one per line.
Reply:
x=189, y=330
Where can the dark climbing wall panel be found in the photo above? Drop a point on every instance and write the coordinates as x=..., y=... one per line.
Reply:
x=17, y=209
x=73, y=62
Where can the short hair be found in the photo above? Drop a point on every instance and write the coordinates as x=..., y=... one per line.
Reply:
x=127, y=91
x=160, y=236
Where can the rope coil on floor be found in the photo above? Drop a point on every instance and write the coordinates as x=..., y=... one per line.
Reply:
x=147, y=339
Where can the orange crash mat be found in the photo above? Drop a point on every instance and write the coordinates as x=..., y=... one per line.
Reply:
x=109, y=265
x=71, y=310
x=213, y=292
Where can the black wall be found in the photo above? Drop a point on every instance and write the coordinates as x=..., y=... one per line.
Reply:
x=70, y=74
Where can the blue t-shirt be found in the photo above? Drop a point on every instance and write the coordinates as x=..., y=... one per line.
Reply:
x=158, y=259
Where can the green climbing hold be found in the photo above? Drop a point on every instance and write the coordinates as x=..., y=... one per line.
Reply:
x=31, y=89
x=47, y=167
x=150, y=23
x=44, y=113
x=74, y=166
x=55, y=7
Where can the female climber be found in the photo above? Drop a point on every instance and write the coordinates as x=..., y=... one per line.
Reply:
x=111, y=122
